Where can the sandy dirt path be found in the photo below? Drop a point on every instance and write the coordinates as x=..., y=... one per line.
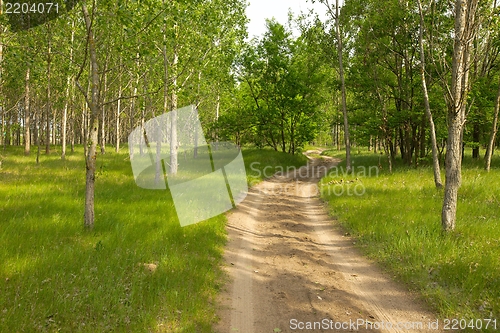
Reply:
x=291, y=268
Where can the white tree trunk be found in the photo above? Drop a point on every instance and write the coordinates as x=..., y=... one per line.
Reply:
x=118, y=109
x=173, y=128
x=2, y=111
x=344, y=97
x=27, y=110
x=102, y=123
x=94, y=124
x=435, y=155
x=494, y=130
x=49, y=108
x=68, y=96
x=465, y=12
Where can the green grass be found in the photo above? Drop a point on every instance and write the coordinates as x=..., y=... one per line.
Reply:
x=263, y=163
x=57, y=276
x=396, y=218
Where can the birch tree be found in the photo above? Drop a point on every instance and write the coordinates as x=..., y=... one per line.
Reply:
x=335, y=15
x=93, y=133
x=465, y=28
x=494, y=130
x=27, y=113
x=435, y=157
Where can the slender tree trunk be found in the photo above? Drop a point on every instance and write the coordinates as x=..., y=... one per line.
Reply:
x=387, y=135
x=68, y=95
x=102, y=127
x=465, y=11
x=64, y=121
x=494, y=129
x=54, y=128
x=173, y=128
x=118, y=109
x=37, y=137
x=72, y=129
x=282, y=132
x=435, y=156
x=84, y=127
x=27, y=111
x=49, y=108
x=217, y=110
x=2, y=110
x=195, y=150
x=133, y=110
x=344, y=97
x=94, y=124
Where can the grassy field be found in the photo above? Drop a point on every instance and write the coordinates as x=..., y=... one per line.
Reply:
x=396, y=219
x=263, y=163
x=136, y=271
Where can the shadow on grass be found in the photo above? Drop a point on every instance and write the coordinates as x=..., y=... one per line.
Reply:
x=397, y=221
x=136, y=271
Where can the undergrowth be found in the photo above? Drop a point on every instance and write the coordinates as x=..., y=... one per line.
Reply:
x=396, y=218
x=138, y=270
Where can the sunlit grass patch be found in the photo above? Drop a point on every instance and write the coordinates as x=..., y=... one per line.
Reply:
x=397, y=221
x=264, y=163
x=138, y=270
x=56, y=276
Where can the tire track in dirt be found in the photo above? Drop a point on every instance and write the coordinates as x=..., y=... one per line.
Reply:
x=289, y=263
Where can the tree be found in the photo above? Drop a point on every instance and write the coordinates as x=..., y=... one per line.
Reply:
x=48, y=112
x=335, y=15
x=93, y=103
x=281, y=78
x=435, y=157
x=67, y=95
x=494, y=130
x=465, y=29
x=27, y=111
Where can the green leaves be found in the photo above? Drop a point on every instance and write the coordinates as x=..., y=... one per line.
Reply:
x=280, y=80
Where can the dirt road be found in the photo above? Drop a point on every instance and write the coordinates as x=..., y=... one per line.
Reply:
x=291, y=268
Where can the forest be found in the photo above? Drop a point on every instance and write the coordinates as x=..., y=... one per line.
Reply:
x=93, y=75
x=416, y=83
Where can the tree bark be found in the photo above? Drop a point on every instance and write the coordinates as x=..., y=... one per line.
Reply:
x=49, y=108
x=102, y=127
x=2, y=111
x=133, y=111
x=68, y=95
x=173, y=128
x=494, y=130
x=94, y=123
x=72, y=129
x=27, y=111
x=37, y=138
x=435, y=155
x=64, y=121
x=465, y=11
x=118, y=109
x=344, y=97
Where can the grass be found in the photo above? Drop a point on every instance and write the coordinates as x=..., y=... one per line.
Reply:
x=264, y=163
x=136, y=271
x=396, y=218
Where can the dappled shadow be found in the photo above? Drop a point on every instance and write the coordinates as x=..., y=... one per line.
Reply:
x=297, y=270
x=57, y=276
